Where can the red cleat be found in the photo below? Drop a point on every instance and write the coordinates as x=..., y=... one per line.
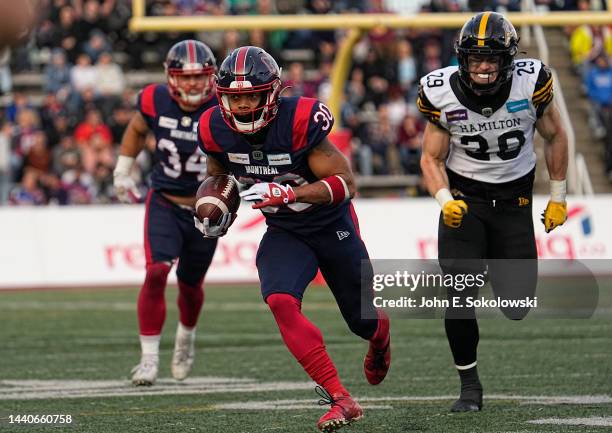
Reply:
x=344, y=411
x=378, y=359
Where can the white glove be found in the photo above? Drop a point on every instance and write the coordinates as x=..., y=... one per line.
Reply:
x=256, y=192
x=125, y=187
x=215, y=231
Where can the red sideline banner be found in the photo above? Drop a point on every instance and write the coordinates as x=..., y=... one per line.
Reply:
x=103, y=245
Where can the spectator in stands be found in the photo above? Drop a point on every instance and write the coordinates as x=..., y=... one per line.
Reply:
x=406, y=68
x=66, y=33
x=599, y=89
x=6, y=82
x=83, y=75
x=28, y=191
x=96, y=45
x=585, y=43
x=23, y=137
x=38, y=156
x=97, y=151
x=382, y=138
x=110, y=80
x=409, y=143
x=20, y=102
x=90, y=20
x=296, y=84
x=66, y=156
x=119, y=120
x=104, y=192
x=57, y=75
x=91, y=126
x=79, y=186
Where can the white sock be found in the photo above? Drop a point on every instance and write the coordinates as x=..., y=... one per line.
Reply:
x=149, y=345
x=184, y=332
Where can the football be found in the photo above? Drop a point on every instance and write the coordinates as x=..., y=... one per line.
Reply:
x=217, y=196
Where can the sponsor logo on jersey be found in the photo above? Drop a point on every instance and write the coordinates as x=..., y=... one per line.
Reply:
x=260, y=169
x=514, y=106
x=239, y=158
x=456, y=115
x=490, y=125
x=279, y=159
x=342, y=234
x=258, y=155
x=168, y=122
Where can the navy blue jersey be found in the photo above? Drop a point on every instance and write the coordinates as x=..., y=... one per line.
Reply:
x=179, y=166
x=299, y=126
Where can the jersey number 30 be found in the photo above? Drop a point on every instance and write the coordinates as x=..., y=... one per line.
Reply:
x=509, y=144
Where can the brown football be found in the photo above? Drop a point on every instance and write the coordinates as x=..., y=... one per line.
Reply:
x=216, y=196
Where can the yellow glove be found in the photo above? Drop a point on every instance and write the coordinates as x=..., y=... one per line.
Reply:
x=554, y=215
x=453, y=211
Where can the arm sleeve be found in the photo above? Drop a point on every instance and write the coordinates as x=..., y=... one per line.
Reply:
x=543, y=92
x=146, y=104
x=426, y=108
x=321, y=124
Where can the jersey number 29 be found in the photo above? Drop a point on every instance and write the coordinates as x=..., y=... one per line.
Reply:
x=509, y=144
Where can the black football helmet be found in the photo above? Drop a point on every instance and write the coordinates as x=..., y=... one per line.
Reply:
x=487, y=34
x=190, y=57
x=249, y=70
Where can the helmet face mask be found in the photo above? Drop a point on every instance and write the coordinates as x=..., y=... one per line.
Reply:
x=486, y=36
x=246, y=72
x=190, y=67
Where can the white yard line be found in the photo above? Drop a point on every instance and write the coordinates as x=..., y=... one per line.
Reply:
x=596, y=421
x=61, y=389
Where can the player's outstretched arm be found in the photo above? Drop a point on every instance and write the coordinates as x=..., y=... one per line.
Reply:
x=550, y=126
x=131, y=144
x=436, y=142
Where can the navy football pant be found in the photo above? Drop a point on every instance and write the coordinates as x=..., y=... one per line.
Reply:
x=287, y=262
x=170, y=234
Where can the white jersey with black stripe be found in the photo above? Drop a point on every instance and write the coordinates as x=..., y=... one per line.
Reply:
x=493, y=145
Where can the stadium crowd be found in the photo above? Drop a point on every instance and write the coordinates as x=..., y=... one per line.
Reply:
x=62, y=147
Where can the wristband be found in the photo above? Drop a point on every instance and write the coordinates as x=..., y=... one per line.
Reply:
x=443, y=196
x=124, y=165
x=558, y=190
x=338, y=189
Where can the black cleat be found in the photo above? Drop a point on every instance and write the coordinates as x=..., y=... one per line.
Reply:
x=469, y=401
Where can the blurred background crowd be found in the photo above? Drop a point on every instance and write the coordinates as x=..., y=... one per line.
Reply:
x=70, y=92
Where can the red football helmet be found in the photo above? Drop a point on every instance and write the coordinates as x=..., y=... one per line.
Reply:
x=190, y=57
x=249, y=70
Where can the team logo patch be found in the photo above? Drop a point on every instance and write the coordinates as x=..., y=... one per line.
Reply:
x=514, y=106
x=522, y=201
x=239, y=158
x=168, y=122
x=342, y=234
x=186, y=122
x=456, y=115
x=279, y=159
x=258, y=155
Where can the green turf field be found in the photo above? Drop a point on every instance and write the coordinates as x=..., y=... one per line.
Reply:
x=70, y=352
